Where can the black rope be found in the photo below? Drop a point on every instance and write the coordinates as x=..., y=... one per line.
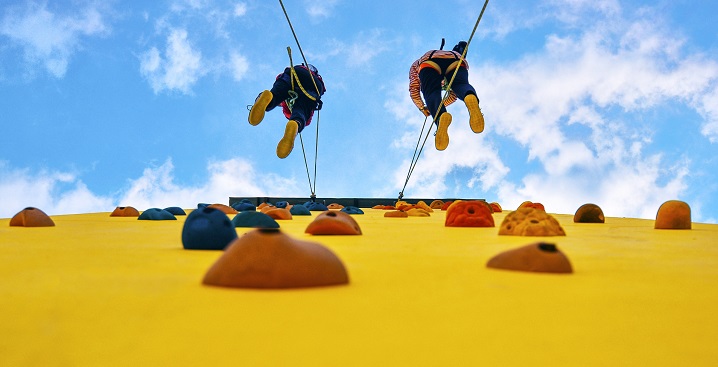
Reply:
x=441, y=104
x=312, y=188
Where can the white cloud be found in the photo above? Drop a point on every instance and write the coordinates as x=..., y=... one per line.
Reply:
x=240, y=9
x=366, y=47
x=50, y=39
x=57, y=192
x=50, y=191
x=178, y=70
x=320, y=9
x=239, y=66
x=233, y=177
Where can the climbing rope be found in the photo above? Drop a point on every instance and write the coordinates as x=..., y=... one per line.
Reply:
x=313, y=187
x=447, y=92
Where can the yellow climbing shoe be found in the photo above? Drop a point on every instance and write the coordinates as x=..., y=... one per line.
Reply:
x=441, y=140
x=476, y=118
x=256, y=114
x=286, y=145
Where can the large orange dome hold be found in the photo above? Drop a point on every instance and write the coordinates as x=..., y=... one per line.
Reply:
x=268, y=258
x=471, y=213
x=31, y=217
x=333, y=223
x=673, y=214
x=537, y=257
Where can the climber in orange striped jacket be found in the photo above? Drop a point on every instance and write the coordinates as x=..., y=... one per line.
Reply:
x=429, y=74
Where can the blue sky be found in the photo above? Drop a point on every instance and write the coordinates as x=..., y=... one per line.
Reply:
x=144, y=103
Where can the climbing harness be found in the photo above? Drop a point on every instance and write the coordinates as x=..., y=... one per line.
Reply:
x=447, y=92
x=312, y=187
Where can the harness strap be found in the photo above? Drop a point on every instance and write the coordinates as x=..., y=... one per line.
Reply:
x=295, y=76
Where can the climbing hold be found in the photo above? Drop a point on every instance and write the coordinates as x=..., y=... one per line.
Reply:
x=333, y=223
x=530, y=222
x=31, y=217
x=423, y=205
x=207, y=229
x=315, y=206
x=243, y=207
x=254, y=220
x=446, y=205
x=589, y=213
x=673, y=214
x=125, y=211
x=436, y=204
x=537, y=257
x=175, y=210
x=352, y=210
x=282, y=204
x=529, y=204
x=335, y=206
x=471, y=213
x=417, y=212
x=268, y=258
x=279, y=213
x=396, y=214
x=299, y=209
x=495, y=207
x=156, y=214
x=226, y=209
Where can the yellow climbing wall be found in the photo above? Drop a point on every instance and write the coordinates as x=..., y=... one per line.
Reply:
x=113, y=291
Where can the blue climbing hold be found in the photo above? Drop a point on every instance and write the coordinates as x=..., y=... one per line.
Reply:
x=315, y=206
x=299, y=209
x=352, y=210
x=207, y=229
x=156, y=214
x=254, y=220
x=175, y=210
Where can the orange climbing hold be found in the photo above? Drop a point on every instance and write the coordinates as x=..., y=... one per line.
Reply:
x=332, y=222
x=471, y=213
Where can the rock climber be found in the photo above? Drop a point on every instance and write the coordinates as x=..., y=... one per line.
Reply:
x=433, y=71
x=295, y=91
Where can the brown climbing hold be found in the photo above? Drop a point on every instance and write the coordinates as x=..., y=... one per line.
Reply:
x=31, y=217
x=423, y=205
x=589, y=213
x=530, y=222
x=495, y=207
x=446, y=205
x=396, y=214
x=406, y=207
x=279, y=213
x=226, y=209
x=268, y=258
x=335, y=206
x=417, y=212
x=529, y=204
x=673, y=214
x=436, y=204
x=472, y=213
x=333, y=223
x=537, y=257
x=125, y=211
